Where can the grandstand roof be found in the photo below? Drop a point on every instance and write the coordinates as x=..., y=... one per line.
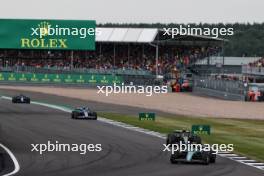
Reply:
x=127, y=35
x=147, y=35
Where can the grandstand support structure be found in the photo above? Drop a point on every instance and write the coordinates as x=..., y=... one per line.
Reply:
x=156, y=56
x=72, y=57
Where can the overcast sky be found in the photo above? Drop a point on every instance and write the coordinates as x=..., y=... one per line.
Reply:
x=137, y=11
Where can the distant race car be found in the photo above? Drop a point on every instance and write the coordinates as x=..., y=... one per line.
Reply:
x=255, y=92
x=83, y=113
x=21, y=99
x=198, y=156
x=186, y=86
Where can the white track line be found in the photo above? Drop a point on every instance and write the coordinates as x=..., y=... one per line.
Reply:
x=229, y=155
x=260, y=167
x=12, y=156
x=238, y=157
x=247, y=161
x=220, y=152
x=256, y=164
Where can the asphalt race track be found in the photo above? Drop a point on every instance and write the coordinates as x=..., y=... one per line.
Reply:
x=125, y=152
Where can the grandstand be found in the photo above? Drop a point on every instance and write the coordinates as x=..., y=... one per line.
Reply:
x=121, y=51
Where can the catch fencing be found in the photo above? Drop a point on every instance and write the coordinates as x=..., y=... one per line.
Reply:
x=12, y=77
x=68, y=70
x=226, y=86
x=76, y=76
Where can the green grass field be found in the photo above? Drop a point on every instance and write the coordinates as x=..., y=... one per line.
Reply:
x=246, y=135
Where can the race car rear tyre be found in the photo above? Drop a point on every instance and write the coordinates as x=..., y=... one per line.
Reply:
x=95, y=116
x=170, y=139
x=212, y=159
x=206, y=158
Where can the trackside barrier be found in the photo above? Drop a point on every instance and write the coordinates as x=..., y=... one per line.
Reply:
x=62, y=70
x=92, y=79
x=224, y=89
x=234, y=87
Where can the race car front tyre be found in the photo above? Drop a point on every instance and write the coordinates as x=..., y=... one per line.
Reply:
x=172, y=160
x=73, y=116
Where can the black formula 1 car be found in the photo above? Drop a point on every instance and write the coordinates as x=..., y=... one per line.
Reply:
x=21, y=99
x=83, y=113
x=191, y=156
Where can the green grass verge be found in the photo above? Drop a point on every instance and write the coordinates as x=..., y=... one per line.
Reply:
x=246, y=135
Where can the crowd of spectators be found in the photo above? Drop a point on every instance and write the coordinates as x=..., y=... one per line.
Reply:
x=108, y=56
x=258, y=63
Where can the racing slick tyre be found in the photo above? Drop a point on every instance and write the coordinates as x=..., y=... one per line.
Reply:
x=74, y=115
x=95, y=116
x=205, y=158
x=172, y=160
x=170, y=139
x=212, y=158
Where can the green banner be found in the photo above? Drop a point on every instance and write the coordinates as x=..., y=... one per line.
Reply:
x=147, y=116
x=47, y=34
x=60, y=78
x=201, y=129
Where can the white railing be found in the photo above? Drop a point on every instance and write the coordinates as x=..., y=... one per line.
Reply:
x=252, y=70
